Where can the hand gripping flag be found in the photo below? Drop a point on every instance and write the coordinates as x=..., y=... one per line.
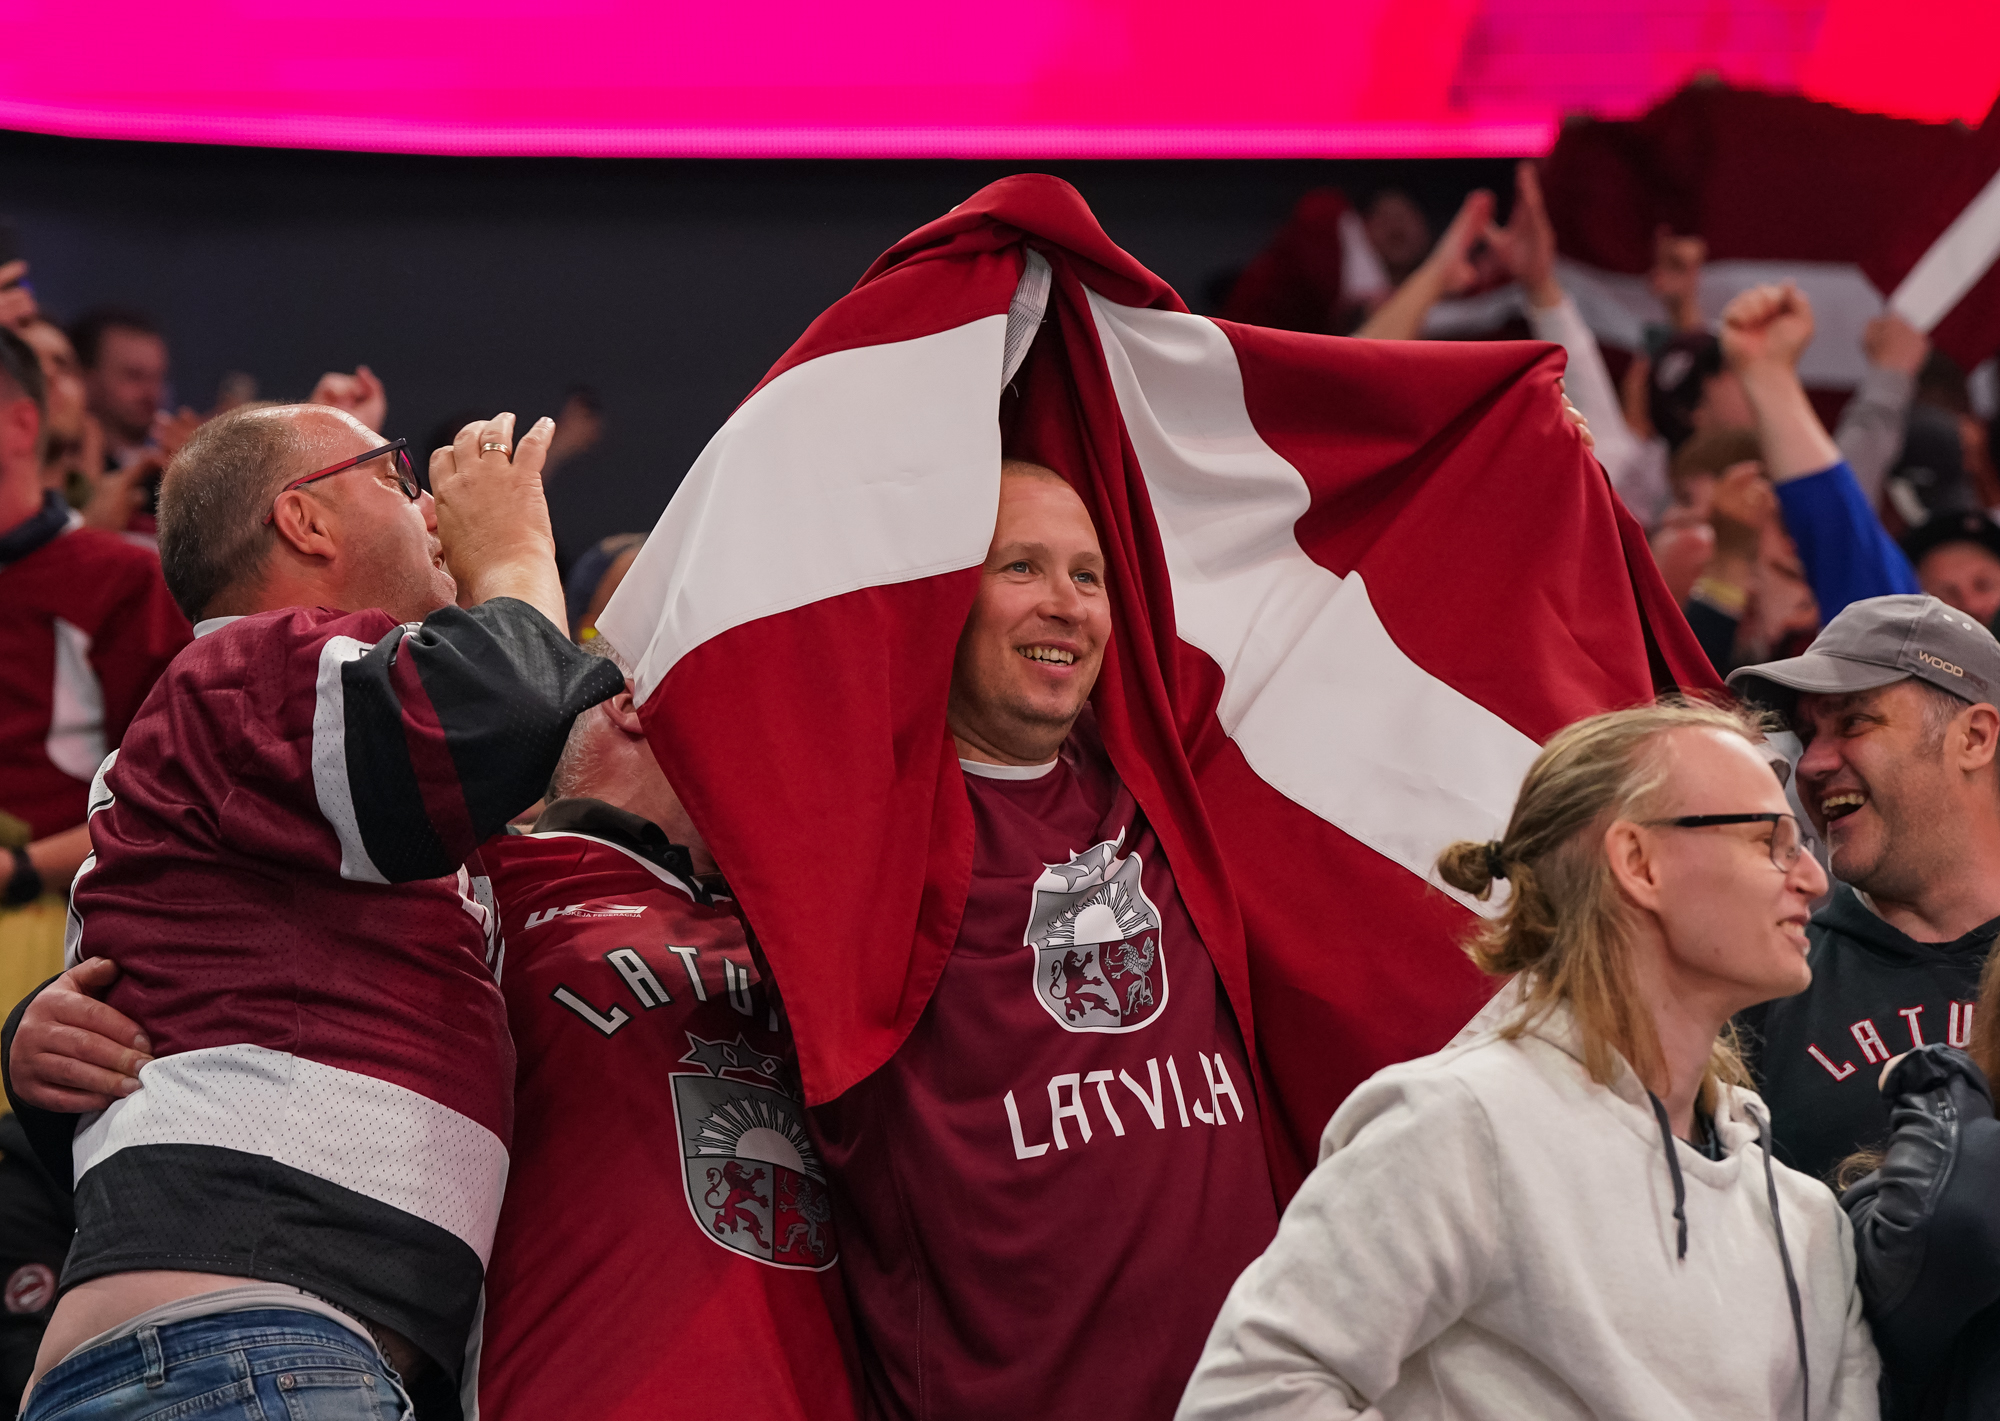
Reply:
x=1354, y=584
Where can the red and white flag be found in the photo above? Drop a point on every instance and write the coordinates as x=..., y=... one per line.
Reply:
x=1864, y=212
x=1354, y=585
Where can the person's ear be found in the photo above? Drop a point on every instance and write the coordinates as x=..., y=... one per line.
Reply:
x=1628, y=855
x=624, y=713
x=305, y=524
x=23, y=424
x=1978, y=737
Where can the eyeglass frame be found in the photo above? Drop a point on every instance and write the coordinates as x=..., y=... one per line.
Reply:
x=406, y=474
x=1806, y=841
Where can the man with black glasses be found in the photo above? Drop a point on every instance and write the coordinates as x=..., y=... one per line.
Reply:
x=1895, y=705
x=294, y=1214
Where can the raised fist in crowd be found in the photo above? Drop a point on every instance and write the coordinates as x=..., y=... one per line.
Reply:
x=1892, y=343
x=360, y=394
x=1766, y=325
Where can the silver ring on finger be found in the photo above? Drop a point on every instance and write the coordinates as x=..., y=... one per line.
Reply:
x=490, y=447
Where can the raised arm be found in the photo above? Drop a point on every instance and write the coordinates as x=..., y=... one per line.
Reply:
x=427, y=741
x=1848, y=555
x=493, y=517
x=1447, y=271
x=1526, y=247
x=1872, y=423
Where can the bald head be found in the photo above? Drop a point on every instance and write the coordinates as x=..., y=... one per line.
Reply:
x=1022, y=469
x=213, y=497
x=216, y=549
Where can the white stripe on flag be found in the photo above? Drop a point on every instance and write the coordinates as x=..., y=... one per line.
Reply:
x=1618, y=307
x=364, y=1134
x=1955, y=262
x=1326, y=708
x=860, y=468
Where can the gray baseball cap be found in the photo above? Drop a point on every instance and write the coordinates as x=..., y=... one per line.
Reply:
x=1878, y=641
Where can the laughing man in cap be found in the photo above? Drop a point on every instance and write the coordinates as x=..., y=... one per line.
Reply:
x=1895, y=705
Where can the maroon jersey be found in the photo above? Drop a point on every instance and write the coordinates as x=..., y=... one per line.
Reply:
x=1047, y=1191
x=278, y=871
x=86, y=627
x=666, y=1247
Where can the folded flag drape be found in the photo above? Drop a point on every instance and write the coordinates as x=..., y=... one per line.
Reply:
x=1354, y=585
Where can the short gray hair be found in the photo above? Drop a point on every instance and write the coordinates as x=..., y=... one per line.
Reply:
x=1941, y=708
x=573, y=770
x=213, y=499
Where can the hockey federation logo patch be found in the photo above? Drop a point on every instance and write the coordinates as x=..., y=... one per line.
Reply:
x=755, y=1183
x=1096, y=936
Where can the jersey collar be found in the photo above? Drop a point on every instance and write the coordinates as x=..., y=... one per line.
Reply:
x=625, y=829
x=44, y=526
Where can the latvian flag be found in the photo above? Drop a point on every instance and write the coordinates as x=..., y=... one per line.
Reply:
x=1865, y=213
x=1354, y=585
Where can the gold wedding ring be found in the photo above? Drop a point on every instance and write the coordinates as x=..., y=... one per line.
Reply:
x=489, y=448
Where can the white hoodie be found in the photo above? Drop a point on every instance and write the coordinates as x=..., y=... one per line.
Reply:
x=1490, y=1233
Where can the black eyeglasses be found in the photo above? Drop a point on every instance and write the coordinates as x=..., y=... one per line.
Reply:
x=1788, y=839
x=406, y=477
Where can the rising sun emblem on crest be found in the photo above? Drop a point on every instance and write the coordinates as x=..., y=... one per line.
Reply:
x=1108, y=915
x=751, y=1127
x=753, y=1180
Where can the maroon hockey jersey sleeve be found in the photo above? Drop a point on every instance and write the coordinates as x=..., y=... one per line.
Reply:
x=428, y=741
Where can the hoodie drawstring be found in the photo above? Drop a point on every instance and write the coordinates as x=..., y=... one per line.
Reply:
x=1785, y=1257
x=1680, y=1187
x=1777, y=1223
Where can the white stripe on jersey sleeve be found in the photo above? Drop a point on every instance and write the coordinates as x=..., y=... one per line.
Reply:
x=75, y=743
x=329, y=759
x=101, y=797
x=372, y=1136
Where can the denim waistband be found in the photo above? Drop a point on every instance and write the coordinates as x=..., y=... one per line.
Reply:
x=153, y=1350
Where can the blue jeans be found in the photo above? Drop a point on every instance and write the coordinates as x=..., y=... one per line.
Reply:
x=269, y=1364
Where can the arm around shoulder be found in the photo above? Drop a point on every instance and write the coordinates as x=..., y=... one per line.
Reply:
x=1387, y=1244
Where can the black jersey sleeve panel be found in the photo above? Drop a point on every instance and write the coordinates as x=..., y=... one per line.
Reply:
x=49, y=1133
x=1926, y=1235
x=454, y=726
x=506, y=685
x=390, y=813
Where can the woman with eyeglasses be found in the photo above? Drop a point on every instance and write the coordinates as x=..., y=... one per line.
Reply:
x=1572, y=1211
x=1926, y=1212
